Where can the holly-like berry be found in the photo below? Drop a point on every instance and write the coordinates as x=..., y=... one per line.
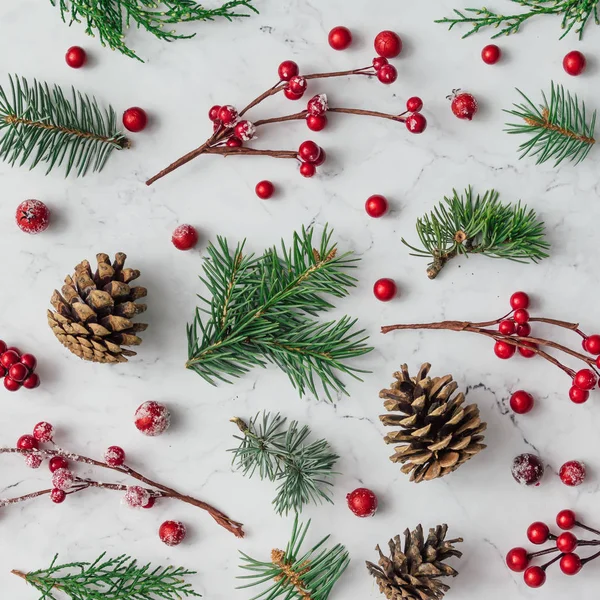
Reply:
x=526, y=350
x=491, y=54
x=264, y=189
x=570, y=564
x=538, y=533
x=32, y=216
x=504, y=350
x=63, y=479
x=524, y=330
x=58, y=462
x=287, y=69
x=521, y=402
x=172, y=533
x=388, y=44
x=18, y=372
x=29, y=360
x=297, y=85
x=527, y=469
x=572, y=473
x=379, y=61
x=591, y=344
x=152, y=418
x=566, y=519
x=376, y=206
x=234, y=142
x=464, y=105
x=43, y=432
x=387, y=74
x=307, y=169
x=521, y=316
x=416, y=123
x=136, y=496
x=577, y=395
x=213, y=113
x=114, y=456
x=245, y=130
x=507, y=327
x=27, y=442
x=11, y=385
x=32, y=382
x=291, y=95
x=362, y=502
x=517, y=560
x=317, y=105
x=585, y=379
x=309, y=151
x=385, y=289
x=75, y=57
x=535, y=577
x=566, y=542
x=185, y=237
x=58, y=496
x=228, y=115
x=316, y=123
x=9, y=358
x=339, y=38
x=33, y=461
x=519, y=300
x=135, y=119
x=574, y=63
x=414, y=104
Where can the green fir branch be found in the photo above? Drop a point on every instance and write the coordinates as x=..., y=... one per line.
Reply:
x=559, y=129
x=40, y=124
x=575, y=15
x=119, y=578
x=264, y=309
x=464, y=224
x=282, y=455
x=110, y=19
x=292, y=575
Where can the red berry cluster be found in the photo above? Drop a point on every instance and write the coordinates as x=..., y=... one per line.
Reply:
x=387, y=45
x=570, y=563
x=17, y=369
x=528, y=469
x=517, y=323
x=311, y=156
x=42, y=433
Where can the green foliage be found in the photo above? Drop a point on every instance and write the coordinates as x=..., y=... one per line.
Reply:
x=575, y=14
x=297, y=576
x=39, y=124
x=110, y=579
x=263, y=309
x=559, y=128
x=482, y=225
x=283, y=455
x=109, y=19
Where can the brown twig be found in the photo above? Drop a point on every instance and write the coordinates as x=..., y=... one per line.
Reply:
x=548, y=125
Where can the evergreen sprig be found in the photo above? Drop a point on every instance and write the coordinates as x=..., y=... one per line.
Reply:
x=40, y=124
x=464, y=224
x=119, y=578
x=575, y=15
x=263, y=309
x=283, y=455
x=310, y=575
x=110, y=19
x=559, y=127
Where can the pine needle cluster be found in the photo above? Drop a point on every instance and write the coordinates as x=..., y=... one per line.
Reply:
x=110, y=19
x=302, y=469
x=465, y=224
x=263, y=309
x=559, y=128
x=40, y=124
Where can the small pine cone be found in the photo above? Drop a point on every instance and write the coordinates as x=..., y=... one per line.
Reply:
x=437, y=433
x=92, y=313
x=414, y=574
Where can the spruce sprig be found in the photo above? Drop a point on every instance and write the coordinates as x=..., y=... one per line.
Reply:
x=119, y=578
x=263, y=309
x=575, y=15
x=40, y=124
x=559, y=127
x=303, y=469
x=293, y=575
x=110, y=19
x=465, y=224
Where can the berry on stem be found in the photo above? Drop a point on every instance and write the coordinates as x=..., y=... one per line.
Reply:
x=521, y=402
x=574, y=63
x=135, y=119
x=32, y=216
x=57, y=496
x=185, y=237
x=316, y=123
x=414, y=104
x=572, y=473
x=63, y=479
x=362, y=502
x=297, y=85
x=507, y=327
x=591, y=344
x=228, y=115
x=309, y=151
x=504, y=350
x=517, y=560
x=27, y=442
x=75, y=57
x=245, y=130
x=172, y=533
x=43, y=432
x=33, y=461
x=538, y=533
x=213, y=113
x=287, y=69
x=524, y=330
x=11, y=385
x=521, y=316
x=566, y=542
x=388, y=44
x=136, y=496
x=114, y=456
x=32, y=382
x=535, y=577
x=585, y=379
x=9, y=358
x=264, y=189
x=376, y=206
x=339, y=38
x=416, y=123
x=566, y=519
x=18, y=372
x=152, y=418
x=519, y=300
x=307, y=169
x=291, y=95
x=385, y=289
x=491, y=54
x=379, y=61
x=527, y=469
x=527, y=352
x=387, y=74
x=570, y=564
x=317, y=105
x=29, y=360
x=321, y=160
x=234, y=142
x=58, y=462
x=577, y=395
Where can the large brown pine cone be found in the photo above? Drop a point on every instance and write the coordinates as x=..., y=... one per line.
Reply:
x=437, y=433
x=414, y=574
x=92, y=315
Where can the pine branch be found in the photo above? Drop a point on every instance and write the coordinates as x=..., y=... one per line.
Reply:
x=575, y=15
x=110, y=19
x=310, y=576
x=559, y=129
x=110, y=579
x=263, y=310
x=463, y=225
x=277, y=454
x=39, y=124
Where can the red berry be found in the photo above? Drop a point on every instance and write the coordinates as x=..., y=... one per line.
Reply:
x=172, y=533
x=376, y=206
x=287, y=69
x=32, y=382
x=75, y=57
x=297, y=85
x=58, y=462
x=152, y=418
x=213, y=113
x=574, y=63
x=524, y=330
x=527, y=351
x=151, y=502
x=18, y=372
x=504, y=350
x=521, y=402
x=566, y=519
x=264, y=189
x=340, y=38
x=114, y=456
x=228, y=115
x=245, y=130
x=2, y=371
x=414, y=104
x=15, y=350
x=309, y=151
x=538, y=533
x=388, y=44
x=307, y=169
x=29, y=361
x=379, y=61
x=317, y=105
x=43, y=432
x=517, y=559
x=577, y=395
x=491, y=54
x=27, y=442
x=566, y=542
x=290, y=95
x=234, y=142
x=521, y=316
x=316, y=123
x=387, y=74
x=585, y=379
x=136, y=496
x=321, y=160
x=535, y=577
x=11, y=385
x=464, y=105
x=385, y=289
x=507, y=327
x=527, y=469
x=519, y=300
x=591, y=344
x=32, y=216
x=57, y=496
x=570, y=564
x=185, y=237
x=33, y=461
x=362, y=502
x=572, y=473
x=135, y=119
x=9, y=358
x=416, y=123
x=3, y=347
x=63, y=479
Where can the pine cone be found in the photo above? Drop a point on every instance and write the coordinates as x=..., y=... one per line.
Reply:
x=414, y=574
x=437, y=433
x=92, y=315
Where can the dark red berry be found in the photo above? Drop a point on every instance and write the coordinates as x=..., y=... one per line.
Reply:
x=27, y=442
x=58, y=462
x=519, y=300
x=521, y=316
x=507, y=327
x=287, y=69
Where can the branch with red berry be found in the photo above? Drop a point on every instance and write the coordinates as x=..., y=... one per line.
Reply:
x=65, y=481
x=513, y=334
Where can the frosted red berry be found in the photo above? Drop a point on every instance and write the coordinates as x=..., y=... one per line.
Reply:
x=151, y=502
x=287, y=69
x=414, y=104
x=75, y=57
x=572, y=473
x=33, y=461
x=521, y=402
x=213, y=113
x=362, y=502
x=228, y=115
x=307, y=169
x=29, y=361
x=585, y=379
x=57, y=496
x=416, y=123
x=519, y=300
x=43, y=432
x=32, y=216
x=309, y=151
x=27, y=442
x=517, y=560
x=538, y=533
x=491, y=54
x=185, y=237
x=570, y=564
x=535, y=577
x=32, y=381
x=18, y=372
x=291, y=95
x=504, y=350
x=379, y=61
x=591, y=344
x=566, y=519
x=574, y=63
x=264, y=189
x=566, y=542
x=464, y=105
x=387, y=74
x=136, y=496
x=297, y=85
x=388, y=44
x=339, y=38
x=172, y=533
x=245, y=130
x=135, y=119
x=63, y=479
x=316, y=123
x=385, y=289
x=376, y=206
x=521, y=316
x=507, y=327
x=152, y=418
x=527, y=469
x=317, y=105
x=114, y=456
x=58, y=462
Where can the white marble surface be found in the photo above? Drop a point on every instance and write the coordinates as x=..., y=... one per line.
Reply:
x=92, y=405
